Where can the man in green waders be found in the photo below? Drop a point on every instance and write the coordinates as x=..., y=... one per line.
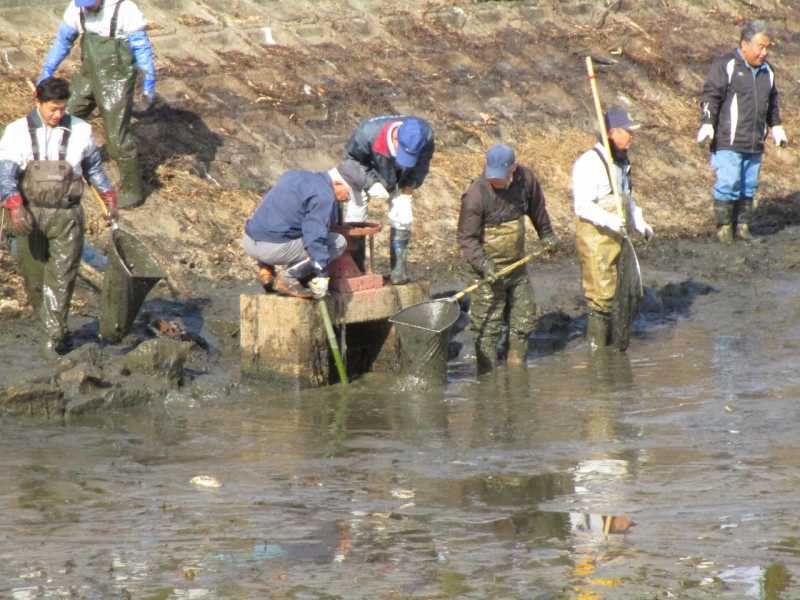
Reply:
x=44, y=157
x=491, y=234
x=113, y=44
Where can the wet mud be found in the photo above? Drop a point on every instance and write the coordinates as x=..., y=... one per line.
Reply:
x=668, y=470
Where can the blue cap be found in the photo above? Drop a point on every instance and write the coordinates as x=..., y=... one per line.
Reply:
x=499, y=160
x=618, y=118
x=411, y=137
x=85, y=3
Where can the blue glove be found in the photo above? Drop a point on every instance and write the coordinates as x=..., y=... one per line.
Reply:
x=65, y=37
x=143, y=57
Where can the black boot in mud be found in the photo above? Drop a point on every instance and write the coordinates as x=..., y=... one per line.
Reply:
x=744, y=209
x=723, y=214
x=598, y=329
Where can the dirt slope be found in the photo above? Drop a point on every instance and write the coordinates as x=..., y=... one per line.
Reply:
x=251, y=88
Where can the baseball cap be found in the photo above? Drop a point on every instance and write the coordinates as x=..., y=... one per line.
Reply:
x=85, y=3
x=499, y=160
x=411, y=137
x=353, y=174
x=618, y=118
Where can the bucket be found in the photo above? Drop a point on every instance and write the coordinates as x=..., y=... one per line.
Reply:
x=423, y=333
x=130, y=276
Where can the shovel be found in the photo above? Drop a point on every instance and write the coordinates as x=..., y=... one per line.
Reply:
x=501, y=273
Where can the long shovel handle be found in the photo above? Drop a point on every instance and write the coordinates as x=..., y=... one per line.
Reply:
x=501, y=273
x=606, y=144
x=337, y=356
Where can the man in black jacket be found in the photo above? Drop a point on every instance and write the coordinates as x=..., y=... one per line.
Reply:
x=396, y=152
x=739, y=103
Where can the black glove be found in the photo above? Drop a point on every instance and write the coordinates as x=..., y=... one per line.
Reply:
x=487, y=270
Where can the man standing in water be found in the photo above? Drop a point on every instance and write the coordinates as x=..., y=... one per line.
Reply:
x=396, y=151
x=491, y=235
x=43, y=160
x=113, y=43
x=739, y=103
x=599, y=228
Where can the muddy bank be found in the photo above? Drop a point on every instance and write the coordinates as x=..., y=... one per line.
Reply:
x=249, y=91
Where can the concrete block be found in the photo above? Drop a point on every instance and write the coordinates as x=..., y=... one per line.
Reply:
x=284, y=337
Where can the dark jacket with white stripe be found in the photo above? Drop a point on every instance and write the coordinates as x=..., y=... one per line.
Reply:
x=740, y=102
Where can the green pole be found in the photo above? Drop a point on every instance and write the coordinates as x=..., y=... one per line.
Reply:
x=337, y=356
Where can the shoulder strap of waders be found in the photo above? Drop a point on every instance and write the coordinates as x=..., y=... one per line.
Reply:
x=113, y=31
x=34, y=138
x=83, y=21
x=66, y=125
x=608, y=172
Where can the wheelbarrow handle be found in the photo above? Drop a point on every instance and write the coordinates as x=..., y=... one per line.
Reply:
x=501, y=273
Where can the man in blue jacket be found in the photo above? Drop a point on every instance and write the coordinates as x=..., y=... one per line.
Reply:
x=396, y=151
x=291, y=229
x=738, y=105
x=113, y=43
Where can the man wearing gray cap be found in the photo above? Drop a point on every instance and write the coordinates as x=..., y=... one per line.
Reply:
x=491, y=235
x=599, y=228
x=291, y=229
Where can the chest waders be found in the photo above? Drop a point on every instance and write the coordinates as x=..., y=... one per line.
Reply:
x=49, y=257
x=504, y=313
x=609, y=276
x=107, y=81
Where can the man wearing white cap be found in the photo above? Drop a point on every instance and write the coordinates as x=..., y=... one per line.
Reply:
x=291, y=229
x=599, y=228
x=491, y=235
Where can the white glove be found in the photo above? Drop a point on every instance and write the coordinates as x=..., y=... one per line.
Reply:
x=401, y=215
x=779, y=135
x=378, y=191
x=706, y=133
x=319, y=286
x=642, y=226
x=356, y=210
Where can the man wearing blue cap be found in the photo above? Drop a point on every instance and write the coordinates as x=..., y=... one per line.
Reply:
x=113, y=44
x=599, y=228
x=491, y=235
x=396, y=152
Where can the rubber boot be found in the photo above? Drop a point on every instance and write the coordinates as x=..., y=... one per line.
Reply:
x=289, y=281
x=131, y=186
x=723, y=214
x=398, y=256
x=745, y=211
x=598, y=329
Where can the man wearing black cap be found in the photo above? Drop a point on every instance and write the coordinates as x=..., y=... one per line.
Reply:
x=396, y=151
x=491, y=235
x=291, y=229
x=599, y=228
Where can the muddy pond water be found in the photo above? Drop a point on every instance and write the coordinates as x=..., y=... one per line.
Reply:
x=492, y=488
